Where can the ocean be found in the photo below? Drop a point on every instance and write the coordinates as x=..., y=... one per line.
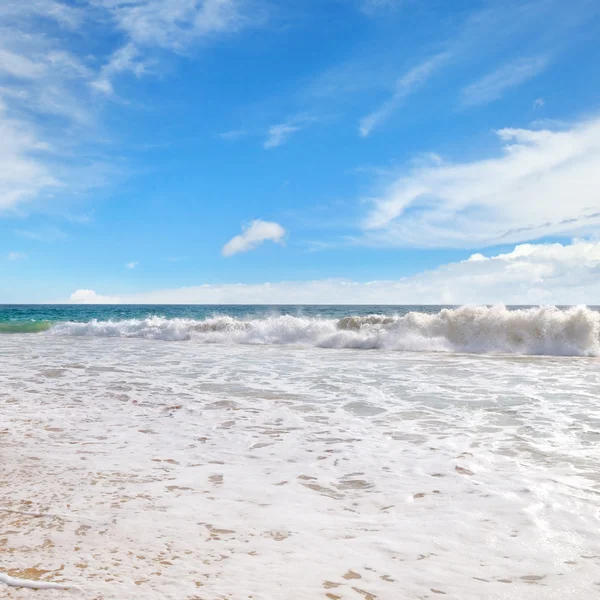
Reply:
x=334, y=452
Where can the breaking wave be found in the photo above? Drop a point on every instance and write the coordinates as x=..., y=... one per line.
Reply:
x=545, y=331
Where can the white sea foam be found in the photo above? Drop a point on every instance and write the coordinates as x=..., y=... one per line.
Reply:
x=32, y=585
x=271, y=472
x=547, y=330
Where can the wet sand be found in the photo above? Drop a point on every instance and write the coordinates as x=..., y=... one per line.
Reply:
x=152, y=470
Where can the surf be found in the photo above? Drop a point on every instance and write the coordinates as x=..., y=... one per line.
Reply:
x=572, y=331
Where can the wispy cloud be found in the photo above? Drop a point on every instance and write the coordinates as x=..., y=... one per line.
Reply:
x=492, y=86
x=68, y=17
x=176, y=24
x=173, y=25
x=405, y=86
x=553, y=124
x=20, y=66
x=232, y=135
x=50, y=117
x=24, y=173
x=82, y=218
x=538, y=103
x=279, y=134
x=38, y=78
x=476, y=38
x=254, y=235
x=125, y=59
x=375, y=7
x=132, y=265
x=543, y=183
x=45, y=109
x=49, y=233
x=17, y=256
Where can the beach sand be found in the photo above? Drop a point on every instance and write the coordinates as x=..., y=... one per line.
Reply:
x=179, y=471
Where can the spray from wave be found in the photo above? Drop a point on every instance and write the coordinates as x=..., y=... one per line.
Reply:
x=544, y=331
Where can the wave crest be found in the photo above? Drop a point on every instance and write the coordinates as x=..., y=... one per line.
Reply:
x=547, y=331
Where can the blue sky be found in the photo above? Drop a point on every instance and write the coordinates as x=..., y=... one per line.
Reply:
x=336, y=150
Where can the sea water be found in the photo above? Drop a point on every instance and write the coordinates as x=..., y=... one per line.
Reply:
x=388, y=453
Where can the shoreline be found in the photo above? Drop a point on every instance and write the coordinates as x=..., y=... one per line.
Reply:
x=173, y=472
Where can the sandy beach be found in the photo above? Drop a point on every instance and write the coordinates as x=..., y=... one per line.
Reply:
x=181, y=471
x=299, y=300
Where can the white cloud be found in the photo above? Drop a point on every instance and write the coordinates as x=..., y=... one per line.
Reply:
x=90, y=297
x=67, y=16
x=492, y=86
x=24, y=174
x=279, y=134
x=405, y=86
x=125, y=59
x=43, y=102
x=132, y=265
x=538, y=103
x=254, y=235
x=81, y=218
x=49, y=113
x=17, y=256
x=175, y=24
x=530, y=274
x=545, y=123
x=48, y=233
x=543, y=183
x=20, y=66
x=478, y=36
x=232, y=135
x=39, y=82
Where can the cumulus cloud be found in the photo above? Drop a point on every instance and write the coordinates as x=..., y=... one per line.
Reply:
x=90, y=297
x=543, y=183
x=529, y=274
x=16, y=255
x=132, y=265
x=254, y=235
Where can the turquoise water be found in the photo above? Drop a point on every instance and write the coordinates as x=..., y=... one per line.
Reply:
x=22, y=318
x=573, y=331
